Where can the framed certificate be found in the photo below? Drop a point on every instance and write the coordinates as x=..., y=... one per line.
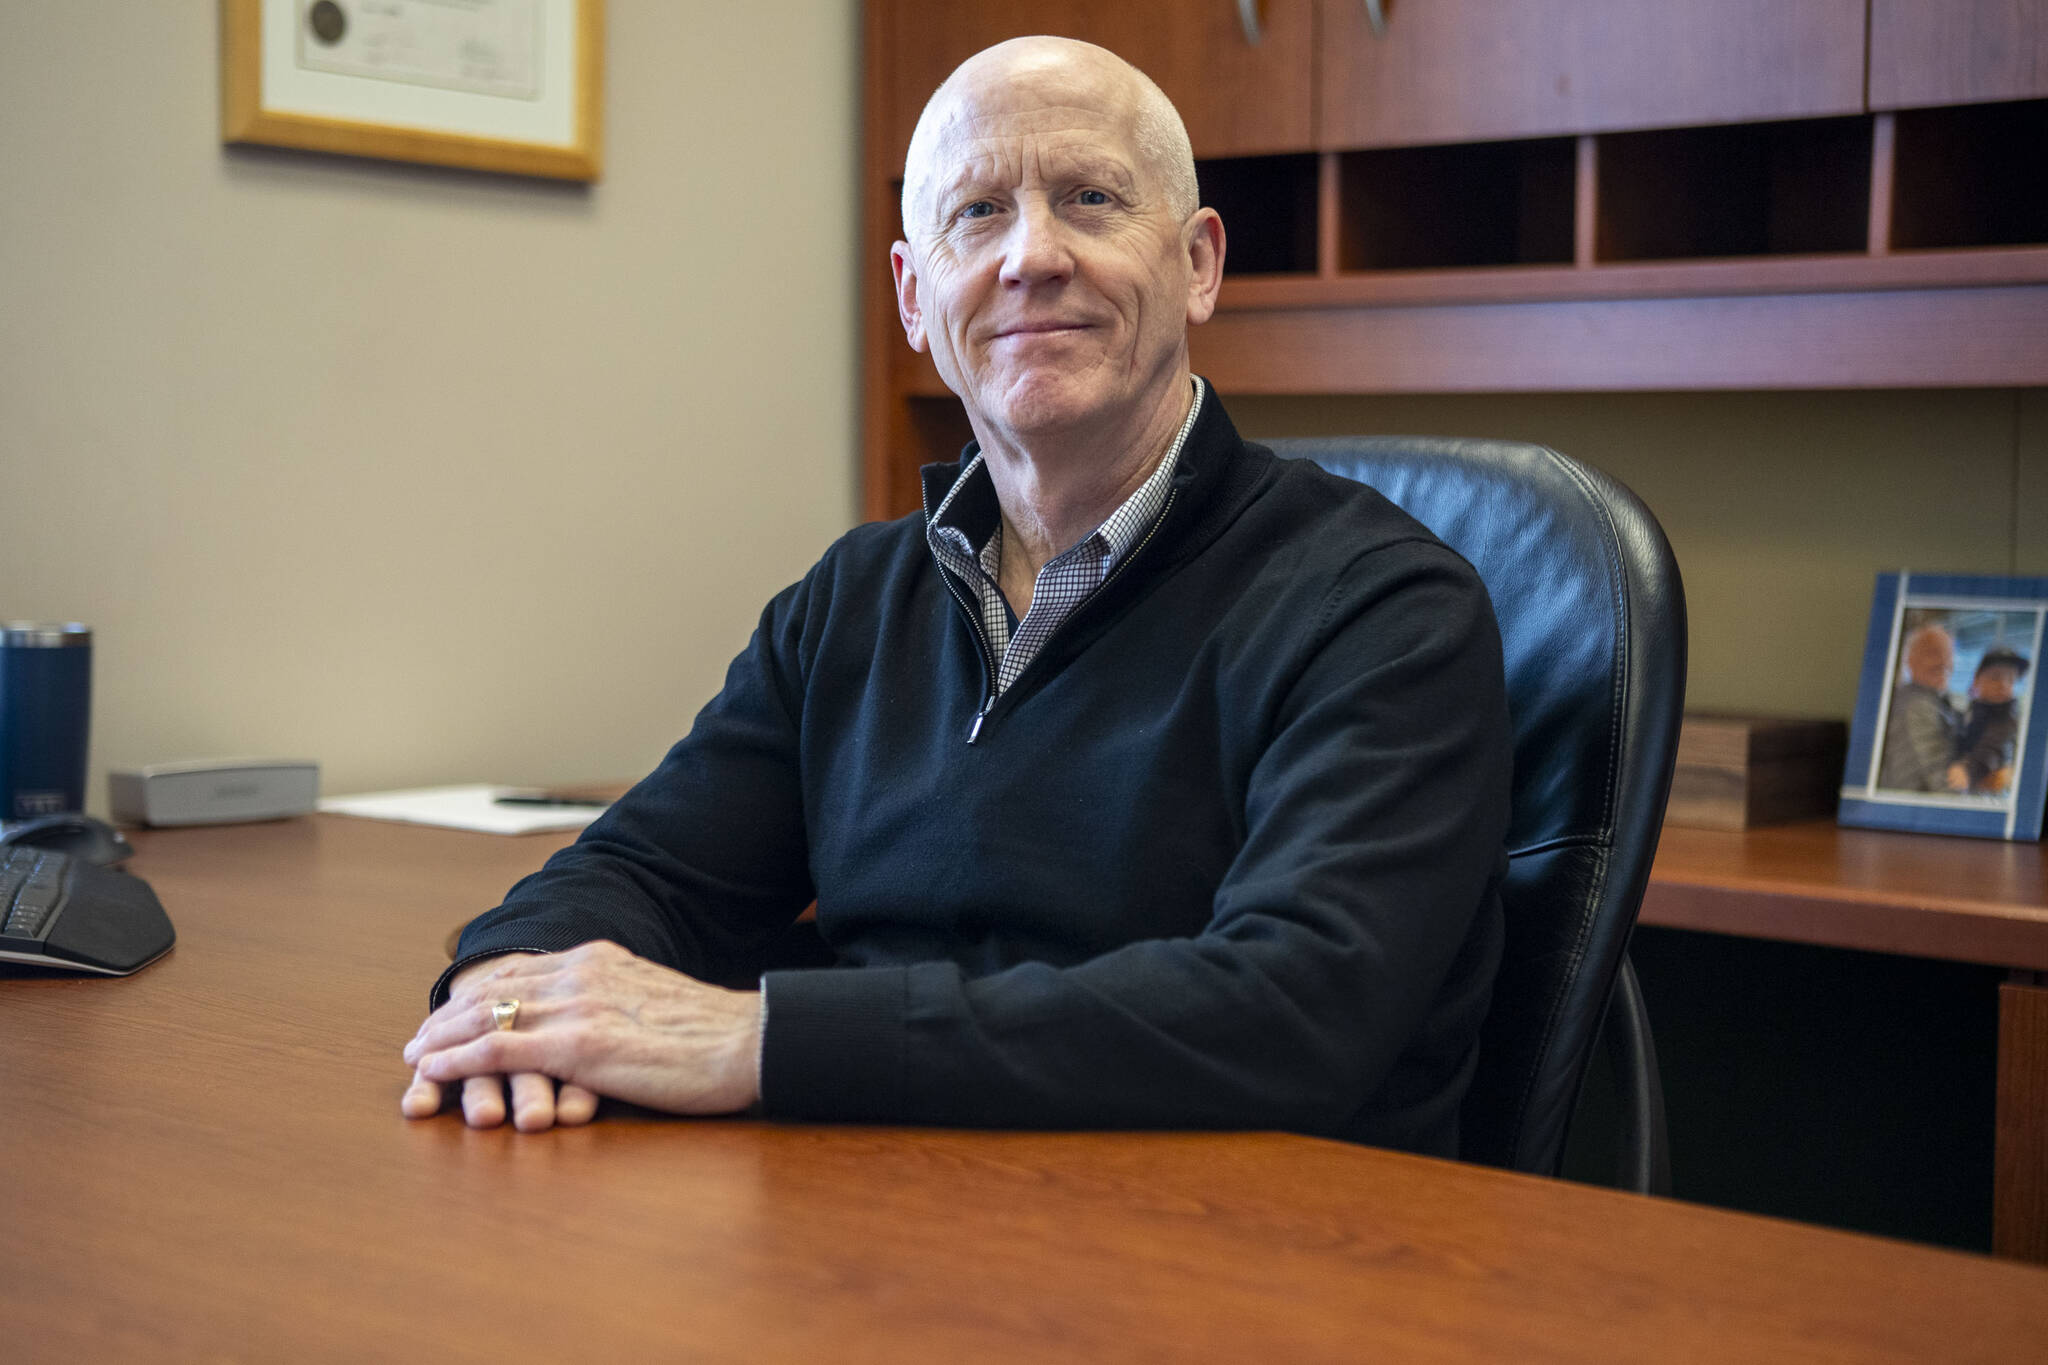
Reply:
x=1944, y=740
x=491, y=85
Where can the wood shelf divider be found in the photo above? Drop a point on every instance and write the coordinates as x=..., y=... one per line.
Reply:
x=1329, y=189
x=1586, y=202
x=1883, y=162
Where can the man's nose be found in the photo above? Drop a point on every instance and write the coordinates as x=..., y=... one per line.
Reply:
x=1036, y=248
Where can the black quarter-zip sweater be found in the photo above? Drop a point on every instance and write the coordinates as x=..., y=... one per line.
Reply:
x=1225, y=855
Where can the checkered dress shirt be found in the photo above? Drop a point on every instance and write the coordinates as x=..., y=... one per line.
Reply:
x=1067, y=578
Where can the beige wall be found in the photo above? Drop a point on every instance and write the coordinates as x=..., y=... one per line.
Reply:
x=1781, y=507
x=426, y=475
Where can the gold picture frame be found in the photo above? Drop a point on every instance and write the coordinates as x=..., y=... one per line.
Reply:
x=287, y=80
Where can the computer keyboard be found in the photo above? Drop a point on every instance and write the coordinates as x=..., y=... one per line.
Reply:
x=60, y=911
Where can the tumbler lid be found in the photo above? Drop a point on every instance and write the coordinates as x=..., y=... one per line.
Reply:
x=44, y=634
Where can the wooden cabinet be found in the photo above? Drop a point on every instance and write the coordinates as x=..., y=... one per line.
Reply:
x=1241, y=90
x=1479, y=70
x=1957, y=52
x=1957, y=900
x=1547, y=195
x=1293, y=75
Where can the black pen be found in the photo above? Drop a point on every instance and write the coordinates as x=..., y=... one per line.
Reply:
x=540, y=798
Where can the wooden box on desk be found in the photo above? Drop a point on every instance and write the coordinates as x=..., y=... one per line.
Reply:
x=1738, y=771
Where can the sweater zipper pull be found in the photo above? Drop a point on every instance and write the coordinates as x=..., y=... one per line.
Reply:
x=974, y=732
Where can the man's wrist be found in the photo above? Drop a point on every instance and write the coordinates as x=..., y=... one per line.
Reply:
x=455, y=971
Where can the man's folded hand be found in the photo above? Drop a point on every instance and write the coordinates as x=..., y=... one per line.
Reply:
x=597, y=1021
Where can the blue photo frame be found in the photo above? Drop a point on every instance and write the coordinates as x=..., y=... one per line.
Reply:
x=1949, y=661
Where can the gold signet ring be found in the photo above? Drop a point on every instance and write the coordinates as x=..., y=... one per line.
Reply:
x=504, y=1014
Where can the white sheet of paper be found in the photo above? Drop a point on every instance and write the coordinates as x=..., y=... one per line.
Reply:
x=469, y=807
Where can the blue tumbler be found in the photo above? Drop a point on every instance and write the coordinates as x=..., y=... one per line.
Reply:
x=45, y=717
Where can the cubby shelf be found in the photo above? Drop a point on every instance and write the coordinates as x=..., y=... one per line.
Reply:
x=1749, y=190
x=1269, y=208
x=1468, y=205
x=1971, y=176
x=1918, y=199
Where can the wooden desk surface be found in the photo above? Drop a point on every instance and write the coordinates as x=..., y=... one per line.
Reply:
x=206, y=1161
x=1923, y=895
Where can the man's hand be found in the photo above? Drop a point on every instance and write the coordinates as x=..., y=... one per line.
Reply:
x=535, y=1103
x=600, y=1021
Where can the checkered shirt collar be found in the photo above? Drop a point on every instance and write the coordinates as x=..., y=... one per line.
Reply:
x=969, y=512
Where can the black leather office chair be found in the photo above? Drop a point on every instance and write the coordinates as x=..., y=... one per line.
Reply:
x=1592, y=621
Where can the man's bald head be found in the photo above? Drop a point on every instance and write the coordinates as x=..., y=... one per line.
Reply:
x=1050, y=69
x=1930, y=656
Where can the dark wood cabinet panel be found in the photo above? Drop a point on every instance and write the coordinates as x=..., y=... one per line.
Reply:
x=1926, y=52
x=1238, y=98
x=1477, y=70
x=2021, y=1227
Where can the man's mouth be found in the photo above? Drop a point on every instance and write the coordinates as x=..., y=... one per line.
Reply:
x=1022, y=329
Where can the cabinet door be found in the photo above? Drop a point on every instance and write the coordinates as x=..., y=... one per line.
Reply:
x=1472, y=70
x=1236, y=96
x=1957, y=51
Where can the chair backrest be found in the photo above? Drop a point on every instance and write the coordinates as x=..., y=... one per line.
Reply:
x=1592, y=622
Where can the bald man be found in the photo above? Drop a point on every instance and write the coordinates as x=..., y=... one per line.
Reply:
x=1142, y=779
x=1922, y=731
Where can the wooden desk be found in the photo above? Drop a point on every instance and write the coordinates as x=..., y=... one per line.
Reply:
x=206, y=1161
x=1920, y=895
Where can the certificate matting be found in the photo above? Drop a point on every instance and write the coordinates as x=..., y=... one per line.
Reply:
x=498, y=85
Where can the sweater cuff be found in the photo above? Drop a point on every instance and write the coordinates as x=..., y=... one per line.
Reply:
x=493, y=933
x=443, y=984
x=832, y=1044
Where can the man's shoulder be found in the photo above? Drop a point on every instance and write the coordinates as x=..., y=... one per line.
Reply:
x=871, y=564
x=876, y=547
x=1334, y=518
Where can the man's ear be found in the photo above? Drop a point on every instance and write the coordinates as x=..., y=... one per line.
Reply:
x=1204, y=233
x=907, y=306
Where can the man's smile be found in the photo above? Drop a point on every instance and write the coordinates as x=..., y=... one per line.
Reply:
x=1050, y=328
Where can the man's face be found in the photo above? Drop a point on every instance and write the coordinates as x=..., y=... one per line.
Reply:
x=1995, y=684
x=1050, y=279
x=1930, y=659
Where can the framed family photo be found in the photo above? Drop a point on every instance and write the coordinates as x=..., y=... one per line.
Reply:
x=1945, y=740
x=512, y=86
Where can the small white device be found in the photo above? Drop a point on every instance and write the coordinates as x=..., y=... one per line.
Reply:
x=213, y=791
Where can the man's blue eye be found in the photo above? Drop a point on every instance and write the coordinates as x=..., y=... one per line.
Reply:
x=1093, y=197
x=981, y=208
